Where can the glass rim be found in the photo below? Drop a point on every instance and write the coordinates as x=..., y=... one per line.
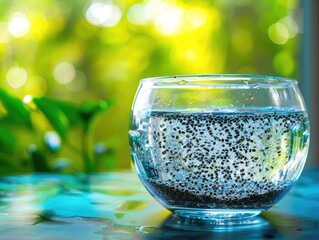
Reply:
x=221, y=79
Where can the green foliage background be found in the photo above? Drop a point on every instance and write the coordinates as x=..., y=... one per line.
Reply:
x=50, y=121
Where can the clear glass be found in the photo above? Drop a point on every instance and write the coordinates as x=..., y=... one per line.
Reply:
x=219, y=147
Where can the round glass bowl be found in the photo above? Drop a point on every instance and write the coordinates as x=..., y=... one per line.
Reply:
x=218, y=146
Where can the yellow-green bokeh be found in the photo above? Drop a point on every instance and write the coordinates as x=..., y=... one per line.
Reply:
x=88, y=50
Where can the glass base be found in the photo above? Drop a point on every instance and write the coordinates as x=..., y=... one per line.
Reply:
x=217, y=214
x=213, y=225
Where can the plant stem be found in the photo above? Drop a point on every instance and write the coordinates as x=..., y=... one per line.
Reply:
x=87, y=161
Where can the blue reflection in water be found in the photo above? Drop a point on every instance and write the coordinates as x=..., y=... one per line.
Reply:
x=68, y=205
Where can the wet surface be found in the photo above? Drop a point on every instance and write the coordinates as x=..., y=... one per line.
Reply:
x=116, y=206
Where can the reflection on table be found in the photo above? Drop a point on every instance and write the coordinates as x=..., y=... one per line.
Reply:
x=116, y=206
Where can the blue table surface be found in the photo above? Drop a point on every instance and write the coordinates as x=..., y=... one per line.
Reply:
x=116, y=206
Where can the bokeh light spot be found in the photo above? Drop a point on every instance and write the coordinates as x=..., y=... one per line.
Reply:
x=16, y=77
x=52, y=140
x=64, y=72
x=103, y=13
x=278, y=33
x=196, y=17
x=18, y=25
x=154, y=8
x=136, y=14
x=191, y=54
x=169, y=22
x=291, y=26
x=284, y=63
x=27, y=99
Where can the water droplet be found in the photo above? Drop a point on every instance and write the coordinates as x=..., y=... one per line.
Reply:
x=182, y=82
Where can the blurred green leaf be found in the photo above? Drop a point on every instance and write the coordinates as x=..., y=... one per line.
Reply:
x=17, y=112
x=71, y=112
x=54, y=114
x=39, y=159
x=7, y=139
x=6, y=167
x=89, y=109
